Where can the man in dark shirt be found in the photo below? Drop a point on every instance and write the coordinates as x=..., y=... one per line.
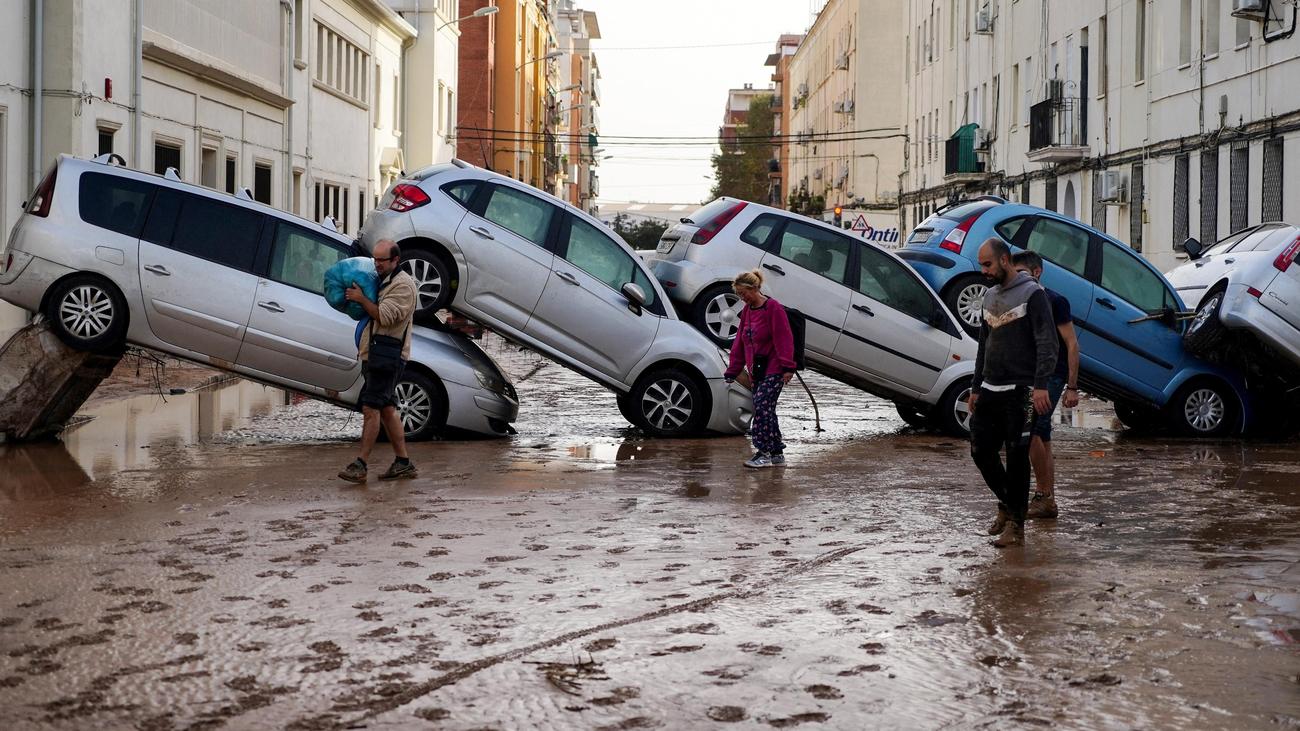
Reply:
x=1015, y=361
x=1062, y=387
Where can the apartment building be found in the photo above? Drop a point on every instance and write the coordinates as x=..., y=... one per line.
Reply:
x=845, y=84
x=577, y=104
x=428, y=127
x=1153, y=120
x=779, y=172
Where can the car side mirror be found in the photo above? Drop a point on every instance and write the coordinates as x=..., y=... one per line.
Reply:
x=635, y=296
x=1193, y=248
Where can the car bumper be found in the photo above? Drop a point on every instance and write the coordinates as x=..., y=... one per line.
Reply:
x=733, y=407
x=1241, y=311
x=479, y=410
x=25, y=282
x=385, y=224
x=936, y=266
x=684, y=280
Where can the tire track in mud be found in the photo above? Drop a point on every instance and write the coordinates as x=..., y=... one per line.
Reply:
x=471, y=668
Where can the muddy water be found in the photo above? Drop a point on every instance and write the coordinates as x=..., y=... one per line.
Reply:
x=580, y=576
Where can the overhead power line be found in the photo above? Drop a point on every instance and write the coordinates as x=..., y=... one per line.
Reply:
x=712, y=138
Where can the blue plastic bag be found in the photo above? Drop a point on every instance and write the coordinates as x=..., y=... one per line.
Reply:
x=358, y=269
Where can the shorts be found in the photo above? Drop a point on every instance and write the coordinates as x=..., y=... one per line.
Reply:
x=1043, y=422
x=378, y=387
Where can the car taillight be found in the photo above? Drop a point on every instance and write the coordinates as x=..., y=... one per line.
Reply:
x=407, y=197
x=956, y=237
x=719, y=222
x=39, y=205
x=1254, y=292
x=1288, y=255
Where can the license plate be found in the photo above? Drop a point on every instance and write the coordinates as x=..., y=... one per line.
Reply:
x=665, y=246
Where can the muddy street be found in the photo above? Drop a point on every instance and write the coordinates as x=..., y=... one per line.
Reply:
x=192, y=562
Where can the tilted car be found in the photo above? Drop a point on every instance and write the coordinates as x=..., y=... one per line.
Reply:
x=549, y=276
x=112, y=255
x=1125, y=313
x=873, y=323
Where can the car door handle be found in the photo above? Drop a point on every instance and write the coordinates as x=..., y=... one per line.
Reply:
x=1105, y=302
x=775, y=268
x=482, y=232
x=864, y=310
x=272, y=306
x=569, y=278
x=1229, y=261
x=157, y=269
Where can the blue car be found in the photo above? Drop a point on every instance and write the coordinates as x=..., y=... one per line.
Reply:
x=1127, y=316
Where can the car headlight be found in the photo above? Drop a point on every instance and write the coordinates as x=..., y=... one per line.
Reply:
x=489, y=379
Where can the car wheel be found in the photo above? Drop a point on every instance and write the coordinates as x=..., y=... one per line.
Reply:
x=87, y=313
x=952, y=414
x=1203, y=409
x=432, y=280
x=1136, y=416
x=624, y=402
x=1205, y=333
x=669, y=403
x=965, y=297
x=912, y=416
x=717, y=314
x=421, y=405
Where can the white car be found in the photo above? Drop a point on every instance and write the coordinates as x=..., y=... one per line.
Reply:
x=1248, y=283
x=111, y=256
x=551, y=277
x=872, y=322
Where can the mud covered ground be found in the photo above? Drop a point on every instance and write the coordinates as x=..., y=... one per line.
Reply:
x=193, y=563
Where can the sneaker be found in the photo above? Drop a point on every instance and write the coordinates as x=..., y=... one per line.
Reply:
x=355, y=472
x=1042, y=507
x=778, y=460
x=400, y=471
x=999, y=522
x=759, y=460
x=1012, y=535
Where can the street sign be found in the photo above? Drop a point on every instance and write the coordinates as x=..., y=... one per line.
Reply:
x=860, y=224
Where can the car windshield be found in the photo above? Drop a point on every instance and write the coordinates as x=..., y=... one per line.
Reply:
x=704, y=216
x=962, y=211
x=1248, y=240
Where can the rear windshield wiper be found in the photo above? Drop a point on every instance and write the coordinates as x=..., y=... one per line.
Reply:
x=687, y=221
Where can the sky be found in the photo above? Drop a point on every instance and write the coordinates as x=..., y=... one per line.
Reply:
x=647, y=89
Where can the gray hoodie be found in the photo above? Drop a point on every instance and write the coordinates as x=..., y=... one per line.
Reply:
x=1018, y=338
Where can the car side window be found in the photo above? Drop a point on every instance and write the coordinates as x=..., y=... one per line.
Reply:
x=890, y=283
x=815, y=249
x=300, y=258
x=218, y=232
x=760, y=231
x=462, y=191
x=595, y=253
x=1123, y=275
x=115, y=203
x=1060, y=243
x=1010, y=227
x=521, y=213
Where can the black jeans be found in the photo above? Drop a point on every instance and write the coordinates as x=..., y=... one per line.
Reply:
x=1003, y=419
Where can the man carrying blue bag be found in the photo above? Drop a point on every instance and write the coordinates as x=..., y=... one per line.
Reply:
x=384, y=349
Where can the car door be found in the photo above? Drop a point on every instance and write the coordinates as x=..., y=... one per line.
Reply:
x=1066, y=250
x=196, y=272
x=504, y=240
x=807, y=269
x=889, y=332
x=583, y=312
x=293, y=334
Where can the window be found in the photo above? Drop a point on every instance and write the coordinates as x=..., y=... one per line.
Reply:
x=1137, y=196
x=1015, y=89
x=1185, y=33
x=1210, y=195
x=1239, y=185
x=463, y=191
x=890, y=283
x=299, y=22
x=217, y=231
x=1211, y=11
x=1009, y=228
x=1103, y=61
x=442, y=111
x=521, y=213
x=1243, y=32
x=1271, y=205
x=262, y=183
x=397, y=103
x=115, y=203
x=1124, y=275
x=166, y=155
x=1182, y=222
x=341, y=65
x=595, y=253
x=1060, y=243
x=1140, y=41
x=105, y=141
x=1028, y=97
x=208, y=167
x=300, y=258
x=330, y=202
x=232, y=174
x=760, y=231
x=815, y=249
x=451, y=112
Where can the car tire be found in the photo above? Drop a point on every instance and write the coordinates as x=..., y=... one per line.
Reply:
x=433, y=281
x=1203, y=409
x=1136, y=416
x=624, y=402
x=707, y=314
x=87, y=313
x=669, y=403
x=965, y=298
x=421, y=405
x=1206, y=332
x=952, y=415
x=912, y=416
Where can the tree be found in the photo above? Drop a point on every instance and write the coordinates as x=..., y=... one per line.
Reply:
x=740, y=168
x=643, y=234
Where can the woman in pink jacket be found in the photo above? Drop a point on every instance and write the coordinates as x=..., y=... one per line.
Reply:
x=764, y=347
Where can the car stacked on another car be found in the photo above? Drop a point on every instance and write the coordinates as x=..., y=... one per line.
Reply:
x=549, y=276
x=111, y=256
x=872, y=322
x=1126, y=313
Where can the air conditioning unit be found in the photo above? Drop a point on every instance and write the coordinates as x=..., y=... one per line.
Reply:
x=983, y=138
x=1114, y=187
x=842, y=61
x=838, y=107
x=803, y=90
x=1250, y=9
x=817, y=174
x=848, y=106
x=1055, y=90
x=984, y=21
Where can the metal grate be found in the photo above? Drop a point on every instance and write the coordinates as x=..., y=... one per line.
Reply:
x=1239, y=185
x=1135, y=208
x=1050, y=195
x=1098, y=208
x=1181, y=220
x=1271, y=209
x=1210, y=196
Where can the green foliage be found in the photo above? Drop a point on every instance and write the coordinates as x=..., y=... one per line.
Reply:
x=740, y=168
x=800, y=202
x=644, y=234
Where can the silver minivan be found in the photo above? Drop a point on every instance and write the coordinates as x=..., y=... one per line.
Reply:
x=111, y=255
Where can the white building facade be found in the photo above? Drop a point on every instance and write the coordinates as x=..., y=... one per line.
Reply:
x=1152, y=120
x=577, y=104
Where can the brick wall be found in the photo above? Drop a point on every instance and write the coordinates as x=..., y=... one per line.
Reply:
x=477, y=85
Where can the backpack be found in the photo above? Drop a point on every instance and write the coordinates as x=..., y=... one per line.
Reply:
x=798, y=325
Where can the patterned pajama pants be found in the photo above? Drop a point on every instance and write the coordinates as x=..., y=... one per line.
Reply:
x=763, y=430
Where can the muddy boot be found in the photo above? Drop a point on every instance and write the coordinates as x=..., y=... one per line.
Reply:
x=999, y=522
x=760, y=460
x=1012, y=535
x=1042, y=507
x=400, y=469
x=355, y=472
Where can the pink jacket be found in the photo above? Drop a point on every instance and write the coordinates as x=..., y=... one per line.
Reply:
x=763, y=332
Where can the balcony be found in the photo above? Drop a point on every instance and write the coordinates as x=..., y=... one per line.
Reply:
x=1057, y=131
x=960, y=162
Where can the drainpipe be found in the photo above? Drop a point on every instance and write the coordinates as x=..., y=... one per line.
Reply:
x=137, y=80
x=287, y=85
x=38, y=89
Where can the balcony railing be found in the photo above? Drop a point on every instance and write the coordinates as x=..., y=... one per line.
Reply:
x=1056, y=130
x=959, y=153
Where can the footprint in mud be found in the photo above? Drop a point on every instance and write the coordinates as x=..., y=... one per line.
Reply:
x=630, y=723
x=931, y=618
x=766, y=650
x=858, y=670
x=873, y=648
x=729, y=672
x=412, y=588
x=369, y=616
x=536, y=546
x=676, y=650
x=501, y=559
x=727, y=714
x=433, y=714
x=872, y=609
x=185, y=638
x=824, y=692
x=617, y=697
x=797, y=719
x=603, y=643
x=704, y=628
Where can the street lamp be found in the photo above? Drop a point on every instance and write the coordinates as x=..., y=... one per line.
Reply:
x=480, y=13
x=547, y=57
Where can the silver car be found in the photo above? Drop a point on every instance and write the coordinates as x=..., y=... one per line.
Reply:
x=551, y=277
x=111, y=255
x=871, y=321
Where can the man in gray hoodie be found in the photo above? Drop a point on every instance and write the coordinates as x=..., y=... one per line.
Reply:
x=1016, y=358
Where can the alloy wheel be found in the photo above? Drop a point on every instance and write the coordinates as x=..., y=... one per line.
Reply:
x=1204, y=410
x=961, y=409
x=86, y=311
x=414, y=406
x=428, y=281
x=1207, y=310
x=970, y=303
x=667, y=404
x=722, y=315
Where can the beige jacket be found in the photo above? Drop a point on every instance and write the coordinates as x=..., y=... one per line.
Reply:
x=396, y=311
